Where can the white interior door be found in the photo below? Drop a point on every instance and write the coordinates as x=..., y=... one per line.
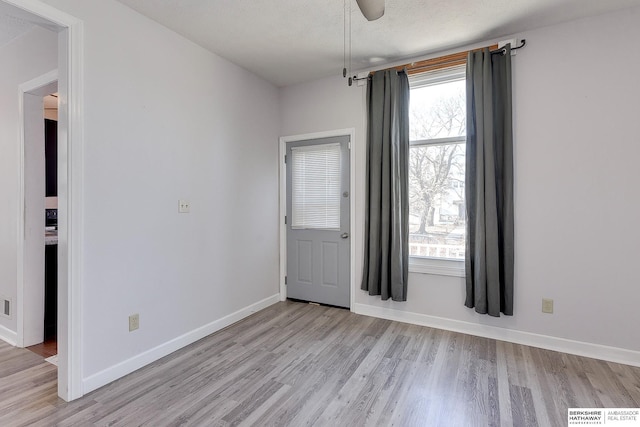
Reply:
x=318, y=218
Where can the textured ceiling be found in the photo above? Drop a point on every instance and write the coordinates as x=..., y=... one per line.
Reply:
x=292, y=41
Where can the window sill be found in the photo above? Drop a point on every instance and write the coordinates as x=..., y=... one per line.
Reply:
x=437, y=266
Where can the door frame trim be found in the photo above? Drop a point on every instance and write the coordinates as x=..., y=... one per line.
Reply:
x=282, y=211
x=70, y=191
x=23, y=306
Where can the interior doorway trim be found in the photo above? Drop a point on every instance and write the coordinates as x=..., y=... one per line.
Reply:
x=70, y=190
x=282, y=149
x=37, y=86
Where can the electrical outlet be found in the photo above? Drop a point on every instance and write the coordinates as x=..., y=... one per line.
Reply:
x=547, y=305
x=134, y=322
x=184, y=206
x=5, y=307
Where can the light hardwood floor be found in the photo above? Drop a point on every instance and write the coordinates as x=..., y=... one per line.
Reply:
x=295, y=364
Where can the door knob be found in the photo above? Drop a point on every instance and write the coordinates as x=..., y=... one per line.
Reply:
x=344, y=235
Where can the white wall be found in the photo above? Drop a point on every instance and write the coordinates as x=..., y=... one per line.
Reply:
x=166, y=120
x=27, y=57
x=576, y=193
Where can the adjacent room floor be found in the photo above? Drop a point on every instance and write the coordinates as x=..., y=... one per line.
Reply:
x=45, y=349
x=298, y=364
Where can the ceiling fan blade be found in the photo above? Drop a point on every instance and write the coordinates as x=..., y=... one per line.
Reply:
x=371, y=9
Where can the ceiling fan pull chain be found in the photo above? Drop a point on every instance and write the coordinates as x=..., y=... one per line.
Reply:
x=344, y=39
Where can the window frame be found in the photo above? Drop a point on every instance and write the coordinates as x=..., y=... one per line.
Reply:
x=435, y=265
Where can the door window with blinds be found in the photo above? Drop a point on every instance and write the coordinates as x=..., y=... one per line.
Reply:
x=315, y=187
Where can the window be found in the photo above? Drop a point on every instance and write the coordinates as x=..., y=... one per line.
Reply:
x=437, y=228
x=315, y=194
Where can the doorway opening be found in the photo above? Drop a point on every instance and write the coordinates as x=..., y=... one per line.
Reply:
x=37, y=330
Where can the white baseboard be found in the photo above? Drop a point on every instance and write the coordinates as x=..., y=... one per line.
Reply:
x=8, y=335
x=595, y=351
x=112, y=373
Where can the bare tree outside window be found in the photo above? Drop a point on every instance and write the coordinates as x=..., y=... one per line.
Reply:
x=436, y=170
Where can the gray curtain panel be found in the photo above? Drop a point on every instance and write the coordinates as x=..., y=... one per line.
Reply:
x=386, y=244
x=489, y=184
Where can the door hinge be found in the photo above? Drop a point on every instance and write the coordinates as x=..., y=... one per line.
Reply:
x=285, y=220
x=285, y=159
x=285, y=280
x=349, y=146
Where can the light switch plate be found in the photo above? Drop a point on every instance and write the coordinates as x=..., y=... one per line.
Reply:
x=547, y=305
x=184, y=206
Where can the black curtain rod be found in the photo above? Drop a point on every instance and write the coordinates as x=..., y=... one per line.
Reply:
x=502, y=51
